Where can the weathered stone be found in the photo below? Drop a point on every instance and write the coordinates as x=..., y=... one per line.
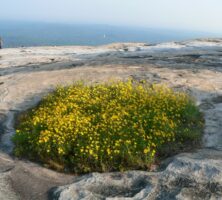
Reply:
x=192, y=66
x=188, y=176
x=133, y=184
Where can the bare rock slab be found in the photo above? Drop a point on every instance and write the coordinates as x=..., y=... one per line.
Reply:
x=193, y=176
x=128, y=185
x=27, y=74
x=188, y=176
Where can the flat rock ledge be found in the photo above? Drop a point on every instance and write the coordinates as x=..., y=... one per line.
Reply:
x=188, y=176
x=27, y=74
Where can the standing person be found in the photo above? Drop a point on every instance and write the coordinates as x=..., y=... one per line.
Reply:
x=1, y=43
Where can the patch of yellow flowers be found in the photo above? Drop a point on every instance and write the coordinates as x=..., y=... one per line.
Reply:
x=105, y=127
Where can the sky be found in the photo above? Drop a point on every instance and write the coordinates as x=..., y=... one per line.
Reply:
x=195, y=15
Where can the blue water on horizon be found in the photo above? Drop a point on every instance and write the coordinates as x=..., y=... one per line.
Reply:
x=17, y=34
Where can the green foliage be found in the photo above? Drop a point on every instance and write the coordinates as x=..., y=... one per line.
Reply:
x=106, y=127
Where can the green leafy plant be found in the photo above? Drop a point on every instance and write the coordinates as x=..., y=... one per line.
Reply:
x=106, y=127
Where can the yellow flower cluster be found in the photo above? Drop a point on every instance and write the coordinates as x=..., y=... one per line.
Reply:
x=104, y=127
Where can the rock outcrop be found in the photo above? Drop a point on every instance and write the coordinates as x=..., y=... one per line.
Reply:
x=188, y=176
x=27, y=74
